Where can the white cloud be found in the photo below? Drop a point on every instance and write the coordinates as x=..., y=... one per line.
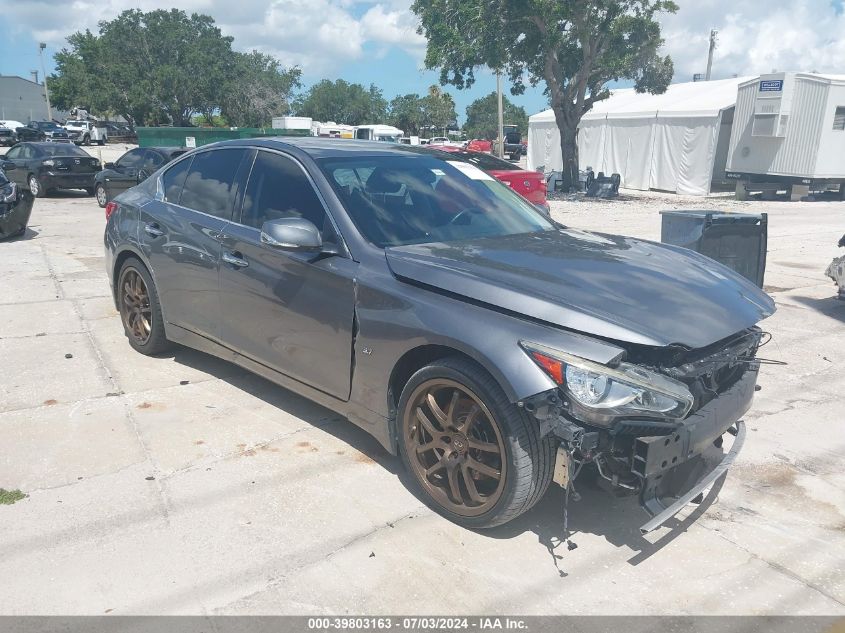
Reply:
x=755, y=36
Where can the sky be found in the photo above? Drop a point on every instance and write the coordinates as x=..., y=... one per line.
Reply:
x=375, y=41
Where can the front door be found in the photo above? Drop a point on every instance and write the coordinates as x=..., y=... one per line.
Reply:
x=290, y=311
x=125, y=173
x=180, y=235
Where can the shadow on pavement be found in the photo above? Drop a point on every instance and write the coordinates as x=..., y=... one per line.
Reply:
x=615, y=519
x=829, y=306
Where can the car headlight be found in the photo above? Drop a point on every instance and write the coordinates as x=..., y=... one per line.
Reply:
x=598, y=394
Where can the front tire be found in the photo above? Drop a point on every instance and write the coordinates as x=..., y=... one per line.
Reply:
x=35, y=187
x=140, y=310
x=474, y=456
x=102, y=197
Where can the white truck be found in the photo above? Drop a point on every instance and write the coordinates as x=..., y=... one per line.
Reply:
x=85, y=132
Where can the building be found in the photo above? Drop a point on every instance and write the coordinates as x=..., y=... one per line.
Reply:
x=676, y=141
x=23, y=100
x=789, y=129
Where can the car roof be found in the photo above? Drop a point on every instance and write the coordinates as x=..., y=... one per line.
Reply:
x=320, y=147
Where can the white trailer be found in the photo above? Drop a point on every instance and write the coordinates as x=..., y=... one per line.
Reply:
x=789, y=133
x=292, y=123
x=386, y=133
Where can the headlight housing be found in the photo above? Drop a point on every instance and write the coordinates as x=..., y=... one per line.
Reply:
x=598, y=394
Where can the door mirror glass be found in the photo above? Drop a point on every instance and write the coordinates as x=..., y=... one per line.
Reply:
x=9, y=165
x=108, y=166
x=292, y=234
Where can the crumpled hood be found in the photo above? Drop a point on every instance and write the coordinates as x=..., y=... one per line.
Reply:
x=611, y=286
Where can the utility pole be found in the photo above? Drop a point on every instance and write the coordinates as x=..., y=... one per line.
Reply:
x=41, y=48
x=713, y=33
x=501, y=130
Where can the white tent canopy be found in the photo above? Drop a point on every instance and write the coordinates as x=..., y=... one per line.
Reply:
x=669, y=141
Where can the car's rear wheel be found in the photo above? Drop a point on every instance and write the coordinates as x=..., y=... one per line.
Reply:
x=476, y=457
x=35, y=186
x=140, y=310
x=102, y=198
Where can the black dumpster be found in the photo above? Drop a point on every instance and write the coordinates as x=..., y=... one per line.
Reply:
x=737, y=240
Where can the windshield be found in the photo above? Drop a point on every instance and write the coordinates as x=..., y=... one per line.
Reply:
x=416, y=199
x=48, y=126
x=62, y=149
x=388, y=138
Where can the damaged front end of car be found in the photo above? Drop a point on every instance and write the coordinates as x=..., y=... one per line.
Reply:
x=654, y=423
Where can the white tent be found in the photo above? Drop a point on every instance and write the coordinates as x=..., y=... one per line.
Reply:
x=676, y=141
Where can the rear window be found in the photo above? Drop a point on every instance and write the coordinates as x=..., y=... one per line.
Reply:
x=486, y=161
x=63, y=149
x=209, y=186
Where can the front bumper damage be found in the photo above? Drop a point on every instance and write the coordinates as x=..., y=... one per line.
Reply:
x=836, y=271
x=15, y=209
x=667, y=464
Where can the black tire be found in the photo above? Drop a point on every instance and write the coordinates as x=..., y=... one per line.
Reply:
x=528, y=461
x=101, y=142
x=100, y=194
x=156, y=342
x=86, y=140
x=35, y=186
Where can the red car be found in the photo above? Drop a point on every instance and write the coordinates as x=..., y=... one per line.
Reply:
x=530, y=184
x=480, y=145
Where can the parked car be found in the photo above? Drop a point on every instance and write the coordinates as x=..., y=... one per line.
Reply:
x=9, y=123
x=15, y=205
x=445, y=315
x=130, y=169
x=43, y=167
x=84, y=132
x=26, y=133
x=529, y=184
x=8, y=137
x=52, y=131
x=480, y=145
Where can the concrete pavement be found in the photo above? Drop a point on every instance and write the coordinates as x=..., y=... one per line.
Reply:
x=183, y=484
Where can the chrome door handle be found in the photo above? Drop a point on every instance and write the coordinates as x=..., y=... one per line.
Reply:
x=153, y=230
x=231, y=258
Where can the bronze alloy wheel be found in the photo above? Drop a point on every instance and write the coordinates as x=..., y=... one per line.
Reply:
x=454, y=447
x=135, y=306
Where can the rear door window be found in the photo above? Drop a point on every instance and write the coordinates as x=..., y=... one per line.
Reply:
x=210, y=184
x=173, y=179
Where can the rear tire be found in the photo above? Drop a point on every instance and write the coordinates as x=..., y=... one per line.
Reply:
x=140, y=310
x=101, y=142
x=35, y=186
x=101, y=195
x=476, y=498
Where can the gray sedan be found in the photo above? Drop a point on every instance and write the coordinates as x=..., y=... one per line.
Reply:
x=490, y=347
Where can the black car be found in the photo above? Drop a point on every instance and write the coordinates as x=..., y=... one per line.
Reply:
x=444, y=314
x=42, y=167
x=15, y=205
x=130, y=169
x=51, y=130
x=29, y=134
x=8, y=137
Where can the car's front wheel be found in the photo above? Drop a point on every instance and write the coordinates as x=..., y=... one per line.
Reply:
x=140, y=310
x=476, y=457
x=100, y=193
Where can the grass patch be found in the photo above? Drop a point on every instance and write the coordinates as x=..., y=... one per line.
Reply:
x=8, y=497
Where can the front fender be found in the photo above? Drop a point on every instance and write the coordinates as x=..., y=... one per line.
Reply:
x=390, y=324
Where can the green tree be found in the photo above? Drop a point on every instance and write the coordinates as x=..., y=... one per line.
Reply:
x=483, y=117
x=258, y=90
x=576, y=47
x=406, y=113
x=342, y=102
x=438, y=109
x=164, y=66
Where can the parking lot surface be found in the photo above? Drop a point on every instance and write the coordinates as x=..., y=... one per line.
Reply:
x=183, y=484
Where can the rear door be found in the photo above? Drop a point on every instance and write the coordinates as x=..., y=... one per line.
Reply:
x=290, y=311
x=180, y=235
x=17, y=155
